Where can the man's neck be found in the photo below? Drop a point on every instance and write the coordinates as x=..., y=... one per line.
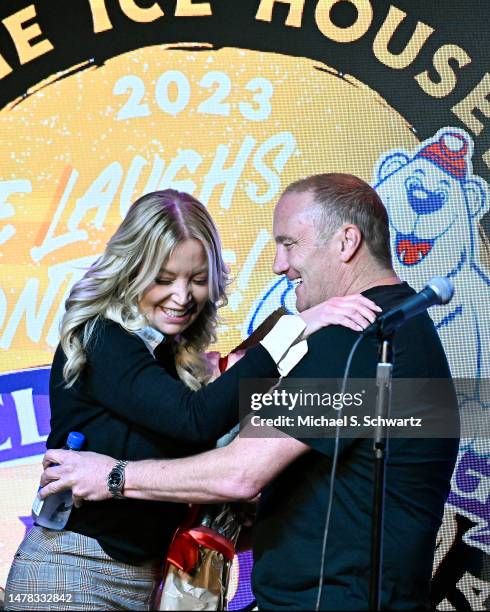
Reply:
x=363, y=282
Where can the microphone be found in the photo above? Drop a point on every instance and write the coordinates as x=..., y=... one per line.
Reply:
x=439, y=290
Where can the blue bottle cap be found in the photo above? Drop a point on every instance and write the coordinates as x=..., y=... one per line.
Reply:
x=75, y=440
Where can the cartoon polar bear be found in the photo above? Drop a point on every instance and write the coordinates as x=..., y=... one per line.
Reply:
x=434, y=201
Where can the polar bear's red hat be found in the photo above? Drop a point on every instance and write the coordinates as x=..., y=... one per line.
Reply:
x=449, y=153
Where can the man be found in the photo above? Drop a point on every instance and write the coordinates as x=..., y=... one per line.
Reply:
x=332, y=237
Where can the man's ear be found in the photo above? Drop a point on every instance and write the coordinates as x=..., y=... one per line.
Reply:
x=351, y=239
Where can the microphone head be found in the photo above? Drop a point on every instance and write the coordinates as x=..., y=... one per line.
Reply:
x=442, y=287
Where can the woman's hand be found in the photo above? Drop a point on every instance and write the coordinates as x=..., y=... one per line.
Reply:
x=353, y=311
x=233, y=358
x=85, y=473
x=214, y=359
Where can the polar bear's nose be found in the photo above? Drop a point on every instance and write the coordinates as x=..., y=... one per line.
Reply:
x=425, y=202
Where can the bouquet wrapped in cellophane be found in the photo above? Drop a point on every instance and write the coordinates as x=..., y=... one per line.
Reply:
x=197, y=571
x=199, y=561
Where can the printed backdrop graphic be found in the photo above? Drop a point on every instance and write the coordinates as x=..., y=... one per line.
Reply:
x=106, y=100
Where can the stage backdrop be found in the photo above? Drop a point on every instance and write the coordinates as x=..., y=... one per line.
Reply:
x=104, y=100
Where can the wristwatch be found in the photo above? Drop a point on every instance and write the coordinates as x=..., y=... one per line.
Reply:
x=115, y=480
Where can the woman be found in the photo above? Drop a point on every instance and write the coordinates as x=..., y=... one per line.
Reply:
x=129, y=373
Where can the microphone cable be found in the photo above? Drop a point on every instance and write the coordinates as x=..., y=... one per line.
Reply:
x=333, y=472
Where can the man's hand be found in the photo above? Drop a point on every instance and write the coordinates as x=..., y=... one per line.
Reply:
x=353, y=311
x=85, y=473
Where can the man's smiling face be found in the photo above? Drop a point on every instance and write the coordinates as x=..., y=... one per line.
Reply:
x=300, y=253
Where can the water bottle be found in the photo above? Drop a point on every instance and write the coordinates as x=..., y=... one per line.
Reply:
x=53, y=512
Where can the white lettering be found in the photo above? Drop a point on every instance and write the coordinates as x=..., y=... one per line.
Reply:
x=187, y=158
x=29, y=433
x=287, y=142
x=26, y=306
x=219, y=175
x=99, y=196
x=7, y=188
x=52, y=242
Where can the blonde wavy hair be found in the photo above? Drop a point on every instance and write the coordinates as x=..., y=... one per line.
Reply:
x=112, y=287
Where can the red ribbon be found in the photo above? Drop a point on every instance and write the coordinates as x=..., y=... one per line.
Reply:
x=184, y=550
x=223, y=363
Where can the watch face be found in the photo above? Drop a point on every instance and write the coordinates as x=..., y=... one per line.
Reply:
x=115, y=479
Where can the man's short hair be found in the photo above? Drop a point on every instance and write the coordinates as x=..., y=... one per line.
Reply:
x=344, y=198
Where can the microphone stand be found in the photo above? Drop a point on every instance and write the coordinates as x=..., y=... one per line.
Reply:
x=384, y=373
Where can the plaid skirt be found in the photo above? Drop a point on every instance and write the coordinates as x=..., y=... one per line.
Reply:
x=63, y=570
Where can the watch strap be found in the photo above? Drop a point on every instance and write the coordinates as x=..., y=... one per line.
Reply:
x=115, y=479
